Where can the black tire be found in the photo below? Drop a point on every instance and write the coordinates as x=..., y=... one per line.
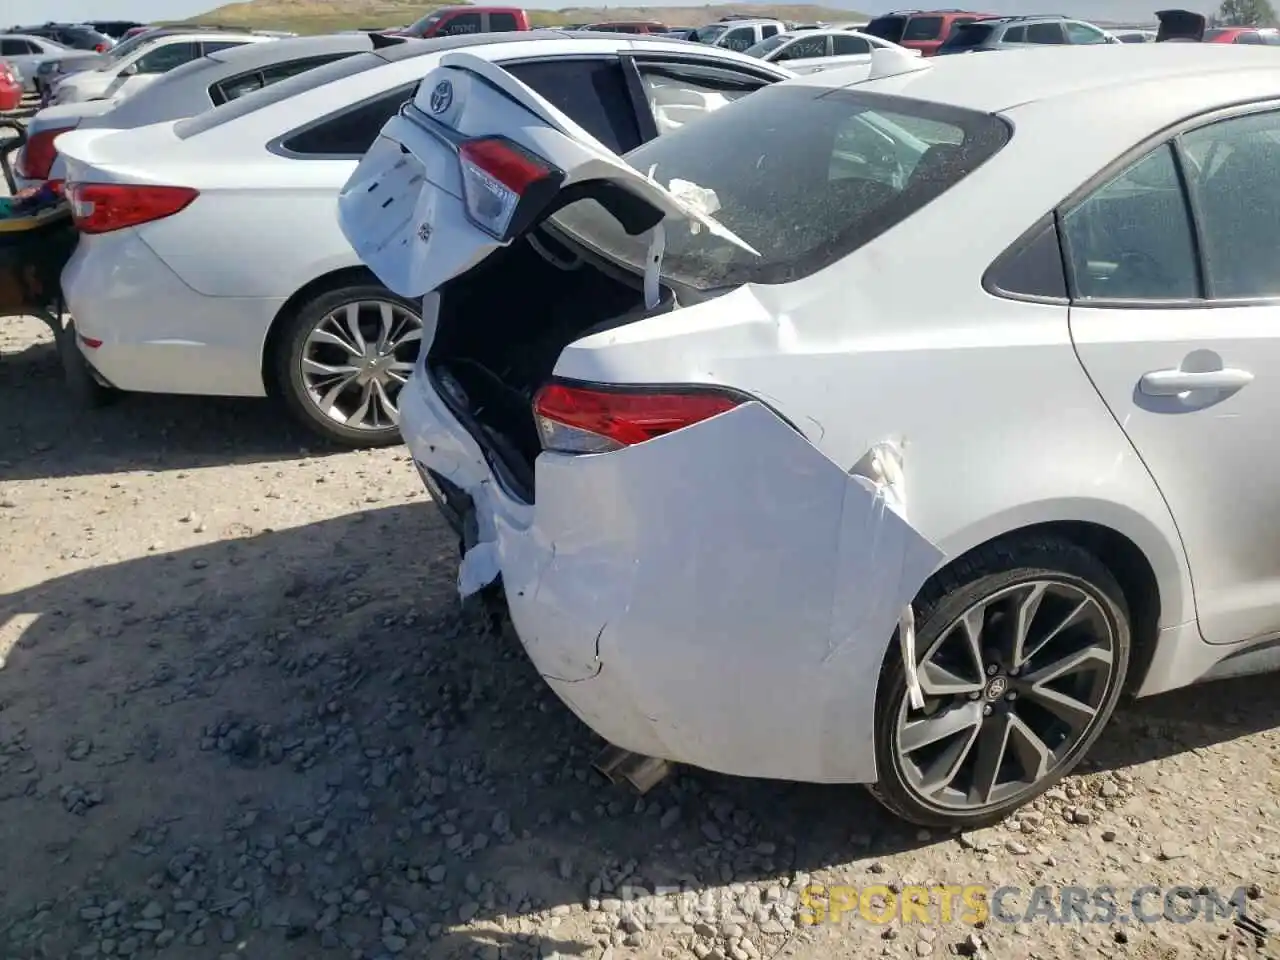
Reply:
x=286, y=365
x=946, y=597
x=82, y=385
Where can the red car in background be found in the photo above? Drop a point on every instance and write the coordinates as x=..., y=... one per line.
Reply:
x=1268, y=36
x=450, y=21
x=923, y=30
x=10, y=86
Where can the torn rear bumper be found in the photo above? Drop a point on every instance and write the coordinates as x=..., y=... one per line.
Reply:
x=723, y=596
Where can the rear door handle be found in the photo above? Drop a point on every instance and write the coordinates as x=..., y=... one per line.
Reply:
x=1170, y=383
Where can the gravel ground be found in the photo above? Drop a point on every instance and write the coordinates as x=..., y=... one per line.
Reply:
x=242, y=714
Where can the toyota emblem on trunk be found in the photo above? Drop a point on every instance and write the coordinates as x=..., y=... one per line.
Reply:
x=442, y=97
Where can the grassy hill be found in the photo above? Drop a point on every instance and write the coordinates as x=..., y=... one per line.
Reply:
x=325, y=16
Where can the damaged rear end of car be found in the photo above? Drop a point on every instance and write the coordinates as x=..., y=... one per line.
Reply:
x=678, y=554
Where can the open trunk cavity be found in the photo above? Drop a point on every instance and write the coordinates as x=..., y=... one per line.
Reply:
x=502, y=326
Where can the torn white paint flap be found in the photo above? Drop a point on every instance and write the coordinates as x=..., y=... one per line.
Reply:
x=479, y=568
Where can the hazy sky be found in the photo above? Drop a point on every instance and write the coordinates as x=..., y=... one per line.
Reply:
x=38, y=11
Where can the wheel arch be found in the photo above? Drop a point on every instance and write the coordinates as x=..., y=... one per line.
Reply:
x=333, y=280
x=1149, y=567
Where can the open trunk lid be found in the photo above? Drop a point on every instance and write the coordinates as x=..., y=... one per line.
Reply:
x=476, y=161
x=1184, y=25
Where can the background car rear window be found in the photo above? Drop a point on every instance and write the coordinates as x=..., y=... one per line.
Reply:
x=1045, y=33
x=922, y=28
x=592, y=92
x=243, y=84
x=803, y=48
x=804, y=176
x=967, y=35
x=887, y=28
x=351, y=132
x=503, y=22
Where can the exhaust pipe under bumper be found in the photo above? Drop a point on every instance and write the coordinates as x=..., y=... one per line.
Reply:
x=641, y=772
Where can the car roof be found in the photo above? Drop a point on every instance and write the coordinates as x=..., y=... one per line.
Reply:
x=1019, y=77
x=30, y=36
x=252, y=55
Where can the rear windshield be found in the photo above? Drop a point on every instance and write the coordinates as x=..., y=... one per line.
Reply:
x=299, y=83
x=922, y=28
x=769, y=45
x=968, y=35
x=886, y=28
x=709, y=33
x=804, y=175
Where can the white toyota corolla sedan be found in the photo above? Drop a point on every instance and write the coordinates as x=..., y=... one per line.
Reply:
x=211, y=261
x=862, y=432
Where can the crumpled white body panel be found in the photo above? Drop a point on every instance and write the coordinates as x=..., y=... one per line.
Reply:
x=723, y=596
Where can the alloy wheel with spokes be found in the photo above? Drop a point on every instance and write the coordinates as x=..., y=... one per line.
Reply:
x=357, y=358
x=346, y=358
x=1019, y=671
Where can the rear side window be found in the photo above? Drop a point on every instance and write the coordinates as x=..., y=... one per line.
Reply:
x=739, y=38
x=922, y=28
x=1015, y=35
x=14, y=48
x=803, y=49
x=460, y=23
x=592, y=92
x=768, y=30
x=1131, y=238
x=503, y=22
x=845, y=45
x=349, y=133
x=1045, y=33
x=887, y=28
x=1248, y=37
x=803, y=176
x=256, y=100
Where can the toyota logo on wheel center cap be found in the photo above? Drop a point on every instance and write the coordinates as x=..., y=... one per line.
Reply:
x=996, y=688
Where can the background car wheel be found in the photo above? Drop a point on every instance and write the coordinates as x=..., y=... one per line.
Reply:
x=83, y=387
x=1022, y=650
x=343, y=359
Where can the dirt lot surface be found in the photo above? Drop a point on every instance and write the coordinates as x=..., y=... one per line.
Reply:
x=242, y=715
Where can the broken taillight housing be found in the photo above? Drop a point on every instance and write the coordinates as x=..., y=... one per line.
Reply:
x=499, y=178
x=38, y=154
x=574, y=419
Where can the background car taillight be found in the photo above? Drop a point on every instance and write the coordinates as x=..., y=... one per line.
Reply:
x=101, y=48
x=503, y=185
x=103, y=207
x=38, y=154
x=594, y=420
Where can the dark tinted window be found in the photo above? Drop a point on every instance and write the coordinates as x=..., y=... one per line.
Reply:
x=1045, y=33
x=460, y=23
x=922, y=28
x=969, y=35
x=845, y=44
x=1131, y=238
x=14, y=48
x=592, y=92
x=768, y=30
x=503, y=22
x=163, y=59
x=1032, y=267
x=1248, y=37
x=1015, y=35
x=803, y=175
x=886, y=28
x=1233, y=170
x=351, y=132
x=246, y=104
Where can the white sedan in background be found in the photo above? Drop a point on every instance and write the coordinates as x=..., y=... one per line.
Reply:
x=810, y=51
x=211, y=261
x=790, y=466
x=119, y=77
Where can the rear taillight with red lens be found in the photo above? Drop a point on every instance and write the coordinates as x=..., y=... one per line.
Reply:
x=38, y=154
x=498, y=176
x=103, y=207
x=101, y=48
x=574, y=419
